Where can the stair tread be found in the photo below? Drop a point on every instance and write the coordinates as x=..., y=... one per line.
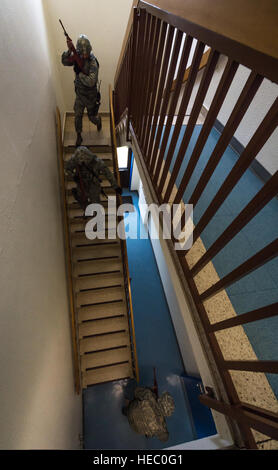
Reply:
x=105, y=156
x=97, y=266
x=90, y=134
x=81, y=239
x=96, y=296
x=72, y=201
x=109, y=191
x=102, y=342
x=93, y=312
x=80, y=223
x=93, y=252
x=104, y=358
x=99, y=327
x=106, y=374
x=74, y=210
x=70, y=183
x=99, y=280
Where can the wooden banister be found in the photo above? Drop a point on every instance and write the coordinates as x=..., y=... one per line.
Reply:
x=155, y=117
x=123, y=242
x=68, y=254
x=249, y=22
x=203, y=63
x=252, y=23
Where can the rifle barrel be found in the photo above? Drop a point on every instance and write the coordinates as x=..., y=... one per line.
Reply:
x=66, y=34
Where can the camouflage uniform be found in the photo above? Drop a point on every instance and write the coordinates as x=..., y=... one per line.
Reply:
x=146, y=413
x=85, y=85
x=91, y=169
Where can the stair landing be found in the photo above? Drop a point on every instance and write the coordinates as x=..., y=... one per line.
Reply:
x=91, y=136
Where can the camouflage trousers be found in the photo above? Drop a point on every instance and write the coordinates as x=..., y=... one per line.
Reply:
x=92, y=196
x=82, y=102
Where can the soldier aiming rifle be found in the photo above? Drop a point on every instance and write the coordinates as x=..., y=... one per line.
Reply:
x=86, y=67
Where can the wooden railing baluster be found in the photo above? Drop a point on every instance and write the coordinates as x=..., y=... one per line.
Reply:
x=260, y=258
x=158, y=99
x=153, y=86
x=153, y=41
x=173, y=104
x=166, y=95
x=149, y=91
x=254, y=315
x=251, y=210
x=206, y=80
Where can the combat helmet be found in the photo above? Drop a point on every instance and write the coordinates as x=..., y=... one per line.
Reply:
x=83, y=46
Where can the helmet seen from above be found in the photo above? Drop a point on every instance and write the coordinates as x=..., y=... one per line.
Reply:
x=83, y=46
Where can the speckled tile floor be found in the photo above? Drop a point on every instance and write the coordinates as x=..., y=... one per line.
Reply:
x=256, y=340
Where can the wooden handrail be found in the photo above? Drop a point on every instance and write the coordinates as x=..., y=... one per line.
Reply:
x=68, y=254
x=245, y=31
x=257, y=418
x=155, y=73
x=249, y=22
x=203, y=63
x=123, y=244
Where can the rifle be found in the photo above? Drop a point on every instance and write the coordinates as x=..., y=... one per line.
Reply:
x=75, y=57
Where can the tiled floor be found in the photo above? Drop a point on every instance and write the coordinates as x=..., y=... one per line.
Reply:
x=260, y=287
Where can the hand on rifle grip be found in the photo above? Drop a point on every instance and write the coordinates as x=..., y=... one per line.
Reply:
x=70, y=44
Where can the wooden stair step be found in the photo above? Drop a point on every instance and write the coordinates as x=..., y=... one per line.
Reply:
x=73, y=204
x=71, y=201
x=80, y=228
x=94, y=252
x=70, y=183
x=98, y=280
x=97, y=266
x=106, y=157
x=103, y=342
x=80, y=238
x=95, y=312
x=78, y=212
x=106, y=374
x=97, y=296
x=110, y=221
x=100, y=327
x=104, y=358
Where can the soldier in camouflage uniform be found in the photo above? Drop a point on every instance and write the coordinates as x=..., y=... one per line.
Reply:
x=146, y=413
x=87, y=95
x=88, y=170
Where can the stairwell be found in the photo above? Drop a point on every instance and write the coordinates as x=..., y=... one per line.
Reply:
x=98, y=279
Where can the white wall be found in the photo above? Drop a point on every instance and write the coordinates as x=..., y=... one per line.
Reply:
x=264, y=98
x=104, y=22
x=39, y=408
x=262, y=101
x=135, y=177
x=174, y=307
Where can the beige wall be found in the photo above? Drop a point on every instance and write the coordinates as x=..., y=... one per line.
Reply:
x=104, y=22
x=39, y=408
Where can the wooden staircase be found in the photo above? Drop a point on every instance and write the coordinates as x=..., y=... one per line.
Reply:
x=98, y=282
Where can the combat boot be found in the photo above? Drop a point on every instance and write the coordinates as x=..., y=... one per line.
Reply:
x=79, y=139
x=99, y=124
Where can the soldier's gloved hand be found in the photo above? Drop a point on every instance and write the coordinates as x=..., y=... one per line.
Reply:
x=76, y=68
x=118, y=190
